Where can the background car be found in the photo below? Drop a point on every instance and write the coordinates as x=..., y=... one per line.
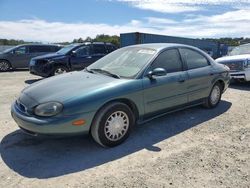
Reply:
x=132, y=84
x=69, y=58
x=238, y=60
x=19, y=56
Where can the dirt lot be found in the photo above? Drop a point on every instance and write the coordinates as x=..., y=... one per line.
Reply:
x=192, y=148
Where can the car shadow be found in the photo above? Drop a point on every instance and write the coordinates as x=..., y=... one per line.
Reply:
x=52, y=157
x=31, y=81
x=19, y=70
x=240, y=85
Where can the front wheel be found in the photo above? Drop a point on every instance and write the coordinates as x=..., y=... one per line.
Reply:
x=215, y=96
x=4, y=65
x=60, y=69
x=112, y=124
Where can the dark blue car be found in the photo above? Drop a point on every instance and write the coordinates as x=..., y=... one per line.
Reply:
x=69, y=58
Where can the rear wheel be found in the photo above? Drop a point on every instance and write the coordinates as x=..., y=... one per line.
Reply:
x=60, y=69
x=215, y=96
x=4, y=65
x=112, y=124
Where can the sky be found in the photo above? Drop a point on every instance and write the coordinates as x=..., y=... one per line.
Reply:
x=65, y=20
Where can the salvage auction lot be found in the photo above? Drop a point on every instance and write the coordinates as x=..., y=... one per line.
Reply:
x=191, y=148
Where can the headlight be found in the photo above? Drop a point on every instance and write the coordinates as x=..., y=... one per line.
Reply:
x=48, y=109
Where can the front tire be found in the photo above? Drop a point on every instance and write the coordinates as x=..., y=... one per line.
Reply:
x=4, y=66
x=60, y=69
x=214, y=97
x=112, y=124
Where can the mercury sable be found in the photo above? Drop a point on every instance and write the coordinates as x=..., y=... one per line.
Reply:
x=127, y=87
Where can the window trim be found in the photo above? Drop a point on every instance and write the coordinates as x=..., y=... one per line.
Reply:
x=185, y=61
x=147, y=69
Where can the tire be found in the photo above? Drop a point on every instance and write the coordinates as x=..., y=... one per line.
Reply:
x=214, y=97
x=4, y=66
x=60, y=69
x=112, y=124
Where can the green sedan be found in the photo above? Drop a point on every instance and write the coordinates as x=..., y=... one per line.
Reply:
x=127, y=87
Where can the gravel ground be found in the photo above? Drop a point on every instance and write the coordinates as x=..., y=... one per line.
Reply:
x=191, y=148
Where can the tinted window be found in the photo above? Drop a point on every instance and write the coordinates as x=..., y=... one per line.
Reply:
x=99, y=49
x=38, y=49
x=110, y=48
x=83, y=51
x=169, y=60
x=54, y=48
x=193, y=59
x=21, y=50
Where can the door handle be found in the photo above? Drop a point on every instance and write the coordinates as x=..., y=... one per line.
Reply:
x=211, y=74
x=89, y=57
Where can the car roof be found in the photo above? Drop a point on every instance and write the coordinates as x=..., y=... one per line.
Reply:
x=160, y=46
x=36, y=44
x=85, y=43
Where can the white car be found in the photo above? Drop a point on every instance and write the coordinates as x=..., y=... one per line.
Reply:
x=238, y=61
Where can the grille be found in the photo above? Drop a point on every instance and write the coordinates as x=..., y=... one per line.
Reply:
x=21, y=107
x=234, y=65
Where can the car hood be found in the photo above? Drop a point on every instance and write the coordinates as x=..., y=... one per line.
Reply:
x=233, y=58
x=67, y=87
x=48, y=56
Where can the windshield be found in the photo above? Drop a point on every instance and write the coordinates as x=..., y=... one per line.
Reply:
x=66, y=49
x=240, y=50
x=125, y=62
x=9, y=49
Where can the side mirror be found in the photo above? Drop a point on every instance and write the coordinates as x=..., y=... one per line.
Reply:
x=157, y=72
x=73, y=53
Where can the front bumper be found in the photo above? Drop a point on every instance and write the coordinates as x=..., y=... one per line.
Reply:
x=34, y=70
x=51, y=125
x=245, y=75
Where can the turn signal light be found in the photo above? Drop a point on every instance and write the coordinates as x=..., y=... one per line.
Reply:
x=78, y=122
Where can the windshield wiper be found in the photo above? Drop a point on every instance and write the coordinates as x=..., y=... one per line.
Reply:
x=90, y=71
x=104, y=72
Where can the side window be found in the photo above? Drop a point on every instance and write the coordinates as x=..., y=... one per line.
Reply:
x=21, y=50
x=194, y=59
x=169, y=60
x=110, y=48
x=83, y=51
x=54, y=48
x=39, y=49
x=99, y=49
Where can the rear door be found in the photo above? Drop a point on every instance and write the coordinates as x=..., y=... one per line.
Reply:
x=167, y=91
x=200, y=74
x=98, y=51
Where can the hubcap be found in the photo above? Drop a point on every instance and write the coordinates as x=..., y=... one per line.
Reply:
x=116, y=126
x=215, y=95
x=4, y=66
x=60, y=71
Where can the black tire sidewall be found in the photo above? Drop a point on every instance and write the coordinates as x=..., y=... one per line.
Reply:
x=117, y=107
x=59, y=66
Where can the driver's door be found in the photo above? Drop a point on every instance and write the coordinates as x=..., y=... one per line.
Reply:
x=163, y=92
x=20, y=57
x=81, y=58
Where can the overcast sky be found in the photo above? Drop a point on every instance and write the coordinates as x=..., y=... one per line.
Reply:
x=64, y=20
